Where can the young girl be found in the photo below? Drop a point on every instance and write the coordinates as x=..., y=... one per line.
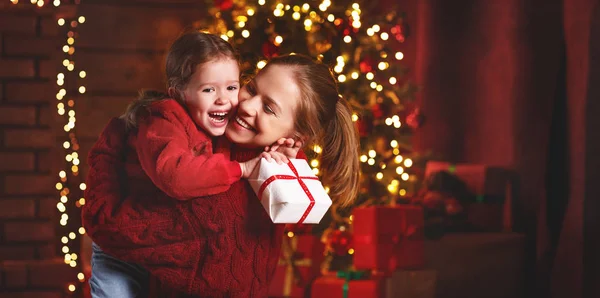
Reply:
x=170, y=147
x=225, y=245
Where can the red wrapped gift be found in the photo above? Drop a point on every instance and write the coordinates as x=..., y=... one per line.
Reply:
x=299, y=265
x=493, y=189
x=335, y=287
x=388, y=237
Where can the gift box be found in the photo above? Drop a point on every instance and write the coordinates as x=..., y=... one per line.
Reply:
x=491, y=209
x=290, y=193
x=388, y=238
x=483, y=181
x=338, y=287
x=299, y=265
x=411, y=283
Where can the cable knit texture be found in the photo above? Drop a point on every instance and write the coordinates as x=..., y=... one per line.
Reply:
x=222, y=245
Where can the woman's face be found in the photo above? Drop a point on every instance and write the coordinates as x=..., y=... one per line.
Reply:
x=266, y=109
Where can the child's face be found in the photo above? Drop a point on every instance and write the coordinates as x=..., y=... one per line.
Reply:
x=267, y=109
x=212, y=93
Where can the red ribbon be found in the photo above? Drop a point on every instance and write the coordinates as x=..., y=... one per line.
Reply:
x=302, y=184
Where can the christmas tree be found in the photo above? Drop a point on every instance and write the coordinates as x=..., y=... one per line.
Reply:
x=363, y=46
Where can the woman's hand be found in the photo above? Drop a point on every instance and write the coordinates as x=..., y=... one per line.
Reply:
x=287, y=146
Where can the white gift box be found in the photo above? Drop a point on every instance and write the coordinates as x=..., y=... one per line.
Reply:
x=290, y=193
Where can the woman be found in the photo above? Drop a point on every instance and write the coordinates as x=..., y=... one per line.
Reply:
x=225, y=245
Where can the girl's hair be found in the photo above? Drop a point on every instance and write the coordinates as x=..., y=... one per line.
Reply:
x=186, y=53
x=325, y=118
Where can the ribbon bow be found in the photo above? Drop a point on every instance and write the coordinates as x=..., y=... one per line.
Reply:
x=296, y=176
x=348, y=276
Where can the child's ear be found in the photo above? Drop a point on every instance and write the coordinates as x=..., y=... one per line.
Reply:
x=172, y=92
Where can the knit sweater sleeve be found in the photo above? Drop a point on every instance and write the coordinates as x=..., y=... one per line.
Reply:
x=180, y=169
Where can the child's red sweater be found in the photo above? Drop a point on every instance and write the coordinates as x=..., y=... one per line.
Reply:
x=222, y=245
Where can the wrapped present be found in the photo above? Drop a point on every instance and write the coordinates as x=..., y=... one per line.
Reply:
x=411, y=283
x=483, y=181
x=348, y=285
x=491, y=209
x=299, y=265
x=290, y=193
x=388, y=237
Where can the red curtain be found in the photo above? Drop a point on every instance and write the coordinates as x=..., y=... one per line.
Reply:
x=511, y=83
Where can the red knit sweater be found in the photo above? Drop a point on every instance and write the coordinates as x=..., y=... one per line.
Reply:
x=222, y=245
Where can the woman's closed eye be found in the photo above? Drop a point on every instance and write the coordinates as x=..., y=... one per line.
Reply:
x=268, y=109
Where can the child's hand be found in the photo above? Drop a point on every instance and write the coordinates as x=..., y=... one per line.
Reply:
x=288, y=146
x=276, y=156
x=248, y=166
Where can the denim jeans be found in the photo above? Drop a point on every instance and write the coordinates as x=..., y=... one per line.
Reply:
x=113, y=278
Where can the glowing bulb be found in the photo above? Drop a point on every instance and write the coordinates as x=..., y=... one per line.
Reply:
x=388, y=121
x=331, y=18
x=224, y=37
x=64, y=240
x=373, y=85
x=402, y=192
x=370, y=32
x=290, y=234
x=230, y=33
x=261, y=2
x=379, y=176
x=376, y=28
x=82, y=89
x=372, y=153
x=354, y=117
x=408, y=162
x=245, y=33
x=356, y=24
x=371, y=161
x=385, y=36
x=394, y=143
x=398, y=158
x=305, y=7
x=296, y=15
x=261, y=64
x=399, y=55
x=347, y=39
x=379, y=88
x=72, y=288
x=405, y=176
x=80, y=276
x=342, y=78
x=82, y=186
x=315, y=171
x=278, y=40
x=382, y=65
x=393, y=80
x=72, y=235
x=370, y=75
x=363, y=158
x=317, y=149
x=397, y=124
x=314, y=163
x=61, y=22
x=351, y=251
x=250, y=11
x=307, y=23
x=354, y=75
x=81, y=230
x=241, y=24
x=399, y=170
